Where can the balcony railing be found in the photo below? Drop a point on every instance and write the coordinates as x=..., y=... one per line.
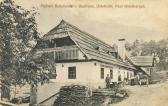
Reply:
x=62, y=53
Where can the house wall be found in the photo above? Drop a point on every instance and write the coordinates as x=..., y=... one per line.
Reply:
x=87, y=73
x=83, y=73
x=116, y=71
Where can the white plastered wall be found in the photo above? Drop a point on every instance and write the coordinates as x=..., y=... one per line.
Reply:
x=87, y=73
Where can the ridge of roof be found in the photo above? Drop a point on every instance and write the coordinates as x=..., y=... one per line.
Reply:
x=51, y=32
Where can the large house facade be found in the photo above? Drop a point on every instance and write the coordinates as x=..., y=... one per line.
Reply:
x=81, y=58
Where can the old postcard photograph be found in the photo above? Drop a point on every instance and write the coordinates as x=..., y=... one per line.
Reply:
x=84, y=52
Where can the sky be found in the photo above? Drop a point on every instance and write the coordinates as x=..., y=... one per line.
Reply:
x=107, y=24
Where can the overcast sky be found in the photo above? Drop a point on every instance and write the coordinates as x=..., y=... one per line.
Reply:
x=108, y=24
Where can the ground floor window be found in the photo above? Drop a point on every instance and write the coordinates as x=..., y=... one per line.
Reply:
x=102, y=73
x=119, y=76
x=127, y=75
x=111, y=73
x=71, y=72
x=131, y=75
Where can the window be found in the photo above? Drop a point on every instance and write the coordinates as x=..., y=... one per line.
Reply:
x=119, y=76
x=131, y=75
x=102, y=73
x=72, y=73
x=111, y=73
x=128, y=75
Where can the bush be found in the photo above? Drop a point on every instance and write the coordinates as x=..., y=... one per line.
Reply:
x=73, y=95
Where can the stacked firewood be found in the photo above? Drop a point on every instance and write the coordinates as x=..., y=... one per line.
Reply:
x=74, y=95
x=97, y=100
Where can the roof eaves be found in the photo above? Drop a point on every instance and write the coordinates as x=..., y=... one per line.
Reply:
x=87, y=56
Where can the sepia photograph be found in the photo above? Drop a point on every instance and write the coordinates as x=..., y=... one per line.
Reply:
x=83, y=52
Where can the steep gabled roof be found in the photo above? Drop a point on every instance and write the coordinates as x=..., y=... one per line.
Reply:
x=92, y=47
x=67, y=27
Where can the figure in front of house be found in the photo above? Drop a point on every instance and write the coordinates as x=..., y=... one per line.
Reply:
x=143, y=79
x=108, y=80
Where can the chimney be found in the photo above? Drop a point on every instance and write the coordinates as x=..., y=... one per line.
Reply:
x=121, y=49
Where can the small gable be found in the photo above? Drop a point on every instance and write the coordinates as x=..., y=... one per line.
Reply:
x=143, y=61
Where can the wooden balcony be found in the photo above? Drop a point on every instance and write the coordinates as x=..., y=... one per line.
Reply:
x=62, y=53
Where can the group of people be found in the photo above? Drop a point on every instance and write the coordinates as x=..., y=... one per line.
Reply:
x=140, y=80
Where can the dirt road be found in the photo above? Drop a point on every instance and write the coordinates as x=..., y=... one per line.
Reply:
x=153, y=95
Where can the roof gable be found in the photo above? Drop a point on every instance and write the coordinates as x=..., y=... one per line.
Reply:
x=64, y=26
x=91, y=46
x=143, y=61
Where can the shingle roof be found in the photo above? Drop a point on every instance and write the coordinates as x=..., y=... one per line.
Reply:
x=91, y=46
x=143, y=61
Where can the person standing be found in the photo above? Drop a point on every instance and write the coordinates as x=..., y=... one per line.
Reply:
x=108, y=81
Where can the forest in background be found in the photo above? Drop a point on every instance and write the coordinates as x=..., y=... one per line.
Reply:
x=158, y=49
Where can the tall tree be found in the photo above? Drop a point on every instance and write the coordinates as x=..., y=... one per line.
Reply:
x=134, y=48
x=149, y=48
x=18, y=37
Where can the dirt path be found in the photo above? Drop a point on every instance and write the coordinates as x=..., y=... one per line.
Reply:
x=153, y=95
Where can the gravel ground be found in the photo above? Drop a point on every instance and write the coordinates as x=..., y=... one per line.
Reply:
x=153, y=95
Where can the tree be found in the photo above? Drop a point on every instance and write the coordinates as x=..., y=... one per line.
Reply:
x=18, y=37
x=162, y=53
x=134, y=48
x=152, y=48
